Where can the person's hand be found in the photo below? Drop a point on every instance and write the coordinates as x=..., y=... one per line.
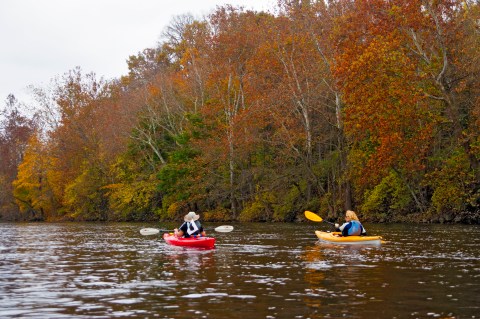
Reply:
x=175, y=231
x=337, y=225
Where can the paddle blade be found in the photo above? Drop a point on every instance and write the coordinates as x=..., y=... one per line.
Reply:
x=224, y=229
x=312, y=216
x=149, y=231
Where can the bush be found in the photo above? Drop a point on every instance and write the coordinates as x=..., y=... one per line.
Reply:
x=218, y=214
x=453, y=185
x=259, y=210
x=388, y=198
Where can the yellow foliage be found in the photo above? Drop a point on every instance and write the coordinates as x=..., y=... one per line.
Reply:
x=31, y=188
x=219, y=214
x=127, y=197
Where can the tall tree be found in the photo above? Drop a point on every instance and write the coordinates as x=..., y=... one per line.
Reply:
x=387, y=119
x=15, y=131
x=32, y=186
x=396, y=66
x=307, y=55
x=231, y=45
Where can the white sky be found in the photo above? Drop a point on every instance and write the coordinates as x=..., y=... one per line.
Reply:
x=42, y=39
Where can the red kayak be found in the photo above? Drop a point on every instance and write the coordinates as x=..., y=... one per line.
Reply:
x=199, y=242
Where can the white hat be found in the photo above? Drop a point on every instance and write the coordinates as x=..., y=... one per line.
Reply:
x=191, y=216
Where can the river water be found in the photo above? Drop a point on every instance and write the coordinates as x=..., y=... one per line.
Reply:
x=76, y=270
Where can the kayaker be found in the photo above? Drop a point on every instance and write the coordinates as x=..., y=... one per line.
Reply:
x=352, y=226
x=191, y=226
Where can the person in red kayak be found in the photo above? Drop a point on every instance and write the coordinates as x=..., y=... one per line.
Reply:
x=191, y=226
x=352, y=226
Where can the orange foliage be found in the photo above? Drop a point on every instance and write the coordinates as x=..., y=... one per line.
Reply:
x=387, y=117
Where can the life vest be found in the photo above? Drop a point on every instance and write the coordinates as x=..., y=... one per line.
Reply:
x=191, y=228
x=352, y=228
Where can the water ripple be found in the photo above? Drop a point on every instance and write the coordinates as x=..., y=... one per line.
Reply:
x=257, y=271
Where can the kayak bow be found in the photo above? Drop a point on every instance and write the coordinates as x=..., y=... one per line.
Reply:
x=198, y=242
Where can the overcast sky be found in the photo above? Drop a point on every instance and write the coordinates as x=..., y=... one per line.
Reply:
x=42, y=39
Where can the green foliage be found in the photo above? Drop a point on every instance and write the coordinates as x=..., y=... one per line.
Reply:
x=173, y=178
x=218, y=214
x=253, y=212
x=453, y=184
x=134, y=194
x=198, y=128
x=132, y=201
x=286, y=206
x=84, y=197
x=390, y=197
x=259, y=210
x=169, y=178
x=324, y=167
x=8, y=209
x=265, y=116
x=172, y=206
x=279, y=205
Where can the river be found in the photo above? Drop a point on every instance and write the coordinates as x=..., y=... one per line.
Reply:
x=81, y=270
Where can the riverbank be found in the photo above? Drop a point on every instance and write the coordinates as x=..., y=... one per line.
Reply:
x=469, y=218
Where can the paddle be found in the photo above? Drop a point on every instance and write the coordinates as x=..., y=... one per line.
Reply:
x=314, y=217
x=153, y=231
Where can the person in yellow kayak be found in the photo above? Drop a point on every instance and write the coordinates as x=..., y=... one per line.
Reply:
x=191, y=226
x=352, y=226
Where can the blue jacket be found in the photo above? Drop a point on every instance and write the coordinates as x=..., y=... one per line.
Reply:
x=353, y=228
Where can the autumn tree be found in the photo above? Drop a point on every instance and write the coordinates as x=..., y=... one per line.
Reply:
x=312, y=121
x=15, y=131
x=445, y=42
x=76, y=165
x=396, y=66
x=33, y=190
x=162, y=96
x=242, y=115
x=388, y=121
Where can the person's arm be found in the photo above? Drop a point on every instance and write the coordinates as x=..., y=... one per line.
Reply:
x=202, y=232
x=339, y=228
x=364, y=232
x=344, y=228
x=178, y=233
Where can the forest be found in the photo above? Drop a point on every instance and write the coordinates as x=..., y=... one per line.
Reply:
x=370, y=105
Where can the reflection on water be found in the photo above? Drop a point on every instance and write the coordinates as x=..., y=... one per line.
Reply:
x=256, y=271
x=422, y=272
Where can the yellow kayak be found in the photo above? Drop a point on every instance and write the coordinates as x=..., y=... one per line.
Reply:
x=337, y=238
